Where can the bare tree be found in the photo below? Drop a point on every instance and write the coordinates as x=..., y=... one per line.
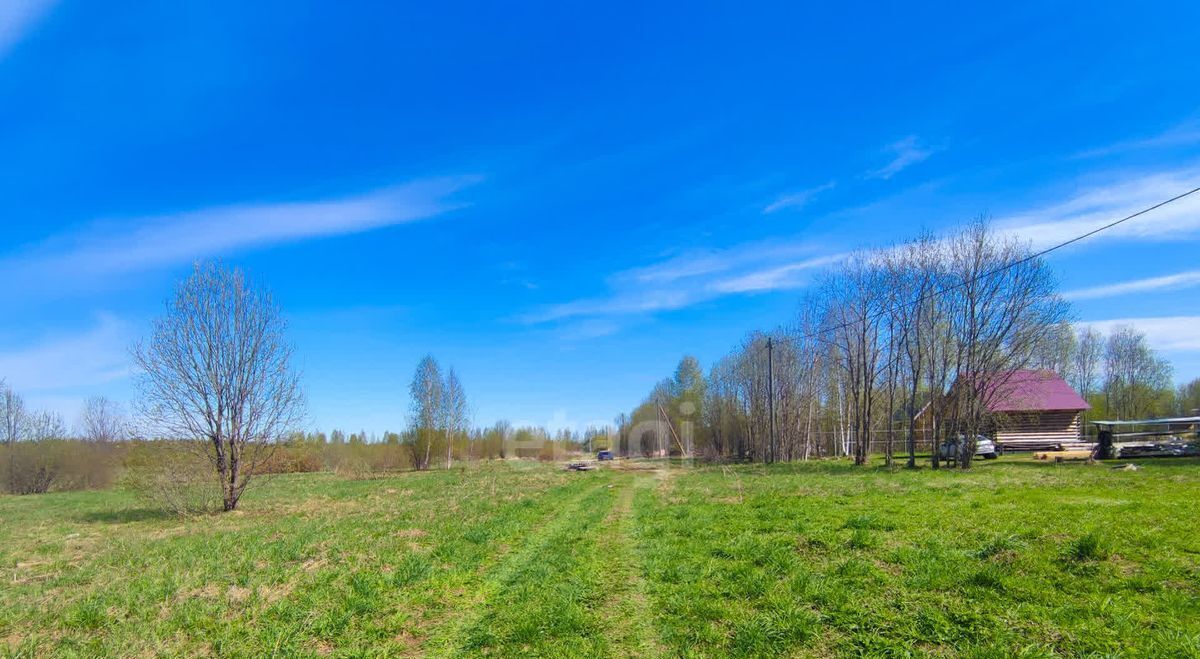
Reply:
x=12, y=414
x=1085, y=362
x=217, y=370
x=428, y=407
x=937, y=351
x=455, y=403
x=1003, y=302
x=33, y=467
x=802, y=361
x=855, y=302
x=102, y=420
x=44, y=425
x=1056, y=350
x=939, y=321
x=1135, y=377
x=912, y=271
x=12, y=422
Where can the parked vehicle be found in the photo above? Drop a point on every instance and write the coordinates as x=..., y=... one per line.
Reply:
x=604, y=455
x=984, y=447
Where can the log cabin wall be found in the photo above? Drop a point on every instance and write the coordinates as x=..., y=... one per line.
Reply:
x=1038, y=430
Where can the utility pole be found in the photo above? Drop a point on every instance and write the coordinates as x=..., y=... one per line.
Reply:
x=671, y=426
x=771, y=395
x=658, y=431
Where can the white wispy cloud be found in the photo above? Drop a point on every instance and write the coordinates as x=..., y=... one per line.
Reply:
x=1104, y=202
x=1166, y=282
x=95, y=356
x=699, y=276
x=1181, y=135
x=796, y=200
x=906, y=152
x=18, y=18
x=699, y=262
x=784, y=277
x=147, y=242
x=623, y=302
x=695, y=277
x=1162, y=333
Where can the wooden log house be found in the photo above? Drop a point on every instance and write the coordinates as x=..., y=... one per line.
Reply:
x=1030, y=410
x=1036, y=411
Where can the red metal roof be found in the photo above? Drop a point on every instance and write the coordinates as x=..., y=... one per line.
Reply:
x=1030, y=391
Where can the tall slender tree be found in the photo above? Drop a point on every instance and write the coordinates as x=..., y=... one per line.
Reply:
x=427, y=411
x=455, y=411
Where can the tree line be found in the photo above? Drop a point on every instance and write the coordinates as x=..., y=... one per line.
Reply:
x=882, y=339
x=39, y=453
x=219, y=403
x=894, y=350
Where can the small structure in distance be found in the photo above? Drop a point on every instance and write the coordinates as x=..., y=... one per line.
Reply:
x=1149, y=438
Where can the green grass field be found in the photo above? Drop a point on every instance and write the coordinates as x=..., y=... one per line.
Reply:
x=1014, y=558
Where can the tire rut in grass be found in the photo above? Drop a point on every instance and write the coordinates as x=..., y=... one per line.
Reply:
x=398, y=595
x=627, y=613
x=540, y=598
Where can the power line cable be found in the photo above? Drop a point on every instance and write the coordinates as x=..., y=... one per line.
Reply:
x=1009, y=266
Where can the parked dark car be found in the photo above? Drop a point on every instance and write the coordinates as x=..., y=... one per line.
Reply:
x=604, y=455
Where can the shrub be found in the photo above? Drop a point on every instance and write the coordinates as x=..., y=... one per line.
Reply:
x=88, y=465
x=354, y=467
x=29, y=467
x=175, y=476
x=365, y=460
x=290, y=460
x=36, y=467
x=388, y=457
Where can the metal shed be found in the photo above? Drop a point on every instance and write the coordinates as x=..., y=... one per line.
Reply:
x=1165, y=437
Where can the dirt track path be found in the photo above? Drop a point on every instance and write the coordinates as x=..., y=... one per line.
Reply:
x=627, y=612
x=572, y=588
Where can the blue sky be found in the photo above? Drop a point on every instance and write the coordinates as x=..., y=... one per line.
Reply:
x=561, y=199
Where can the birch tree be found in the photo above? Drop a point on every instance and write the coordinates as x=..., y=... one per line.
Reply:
x=455, y=412
x=427, y=414
x=855, y=305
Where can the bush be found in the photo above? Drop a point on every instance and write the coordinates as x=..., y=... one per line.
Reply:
x=36, y=467
x=290, y=460
x=30, y=467
x=175, y=476
x=88, y=465
x=388, y=457
x=353, y=467
x=365, y=460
